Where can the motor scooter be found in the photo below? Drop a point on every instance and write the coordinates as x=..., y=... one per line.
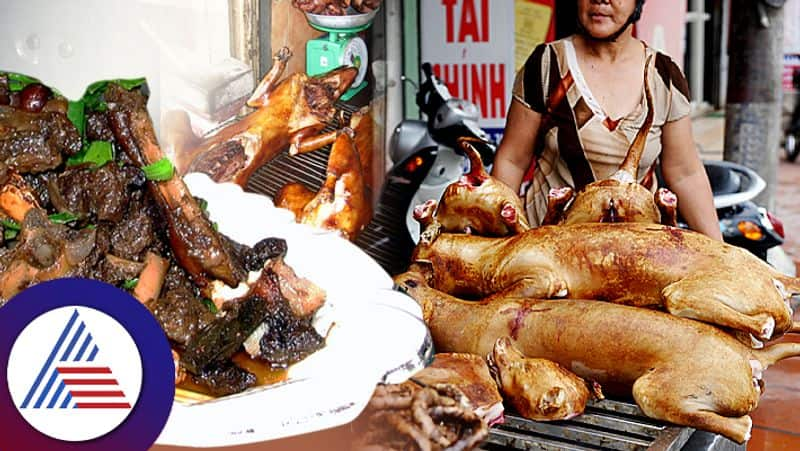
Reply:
x=436, y=138
x=741, y=221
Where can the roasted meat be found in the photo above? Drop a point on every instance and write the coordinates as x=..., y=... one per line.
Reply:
x=16, y=197
x=181, y=314
x=648, y=265
x=478, y=203
x=225, y=378
x=290, y=113
x=365, y=6
x=538, y=389
x=342, y=204
x=197, y=246
x=408, y=416
x=93, y=193
x=470, y=374
x=36, y=142
x=44, y=251
x=678, y=370
x=620, y=198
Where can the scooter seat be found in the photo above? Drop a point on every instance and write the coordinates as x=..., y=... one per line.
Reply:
x=723, y=180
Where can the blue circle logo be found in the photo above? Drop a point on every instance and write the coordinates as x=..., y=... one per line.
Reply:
x=87, y=368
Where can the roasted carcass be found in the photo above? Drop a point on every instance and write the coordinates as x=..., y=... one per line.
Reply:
x=539, y=389
x=342, y=203
x=289, y=113
x=646, y=265
x=678, y=370
x=477, y=203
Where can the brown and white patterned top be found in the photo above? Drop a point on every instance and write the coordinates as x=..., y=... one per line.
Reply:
x=577, y=142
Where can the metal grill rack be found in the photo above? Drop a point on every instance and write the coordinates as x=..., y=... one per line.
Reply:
x=384, y=239
x=605, y=425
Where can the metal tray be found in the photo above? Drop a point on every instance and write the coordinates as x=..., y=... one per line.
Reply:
x=353, y=19
x=605, y=425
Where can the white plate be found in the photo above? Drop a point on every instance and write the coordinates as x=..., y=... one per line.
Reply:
x=377, y=334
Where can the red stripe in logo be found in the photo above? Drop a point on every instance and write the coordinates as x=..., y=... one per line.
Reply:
x=103, y=405
x=84, y=370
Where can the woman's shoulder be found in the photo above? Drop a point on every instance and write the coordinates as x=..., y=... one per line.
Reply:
x=670, y=73
x=544, y=53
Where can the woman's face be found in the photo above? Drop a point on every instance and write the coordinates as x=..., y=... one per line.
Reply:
x=603, y=18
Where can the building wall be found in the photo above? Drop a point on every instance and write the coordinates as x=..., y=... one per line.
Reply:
x=663, y=27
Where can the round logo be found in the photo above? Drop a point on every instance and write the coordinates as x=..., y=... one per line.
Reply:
x=58, y=365
x=87, y=367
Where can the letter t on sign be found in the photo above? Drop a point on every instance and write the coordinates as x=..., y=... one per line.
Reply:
x=450, y=19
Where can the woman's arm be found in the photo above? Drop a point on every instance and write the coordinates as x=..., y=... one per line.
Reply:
x=516, y=149
x=685, y=176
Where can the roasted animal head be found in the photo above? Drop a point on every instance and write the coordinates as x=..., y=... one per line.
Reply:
x=619, y=198
x=538, y=389
x=480, y=204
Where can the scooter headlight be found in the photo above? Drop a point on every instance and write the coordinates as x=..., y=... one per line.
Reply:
x=750, y=230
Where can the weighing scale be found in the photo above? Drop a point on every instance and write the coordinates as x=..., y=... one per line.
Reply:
x=340, y=47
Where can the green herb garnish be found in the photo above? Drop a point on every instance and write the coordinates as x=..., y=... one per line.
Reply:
x=10, y=228
x=17, y=82
x=77, y=115
x=130, y=283
x=159, y=171
x=203, y=203
x=209, y=305
x=10, y=224
x=97, y=152
x=63, y=218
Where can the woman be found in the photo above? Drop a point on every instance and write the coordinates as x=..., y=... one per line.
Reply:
x=578, y=103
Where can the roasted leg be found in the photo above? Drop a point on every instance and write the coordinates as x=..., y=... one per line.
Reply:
x=197, y=246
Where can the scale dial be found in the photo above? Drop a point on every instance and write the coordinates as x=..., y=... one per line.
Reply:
x=355, y=54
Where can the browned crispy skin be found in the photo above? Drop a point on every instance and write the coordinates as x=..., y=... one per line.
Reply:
x=342, y=203
x=613, y=201
x=479, y=203
x=294, y=197
x=197, y=246
x=678, y=370
x=539, y=389
x=687, y=273
x=470, y=374
x=363, y=127
x=288, y=113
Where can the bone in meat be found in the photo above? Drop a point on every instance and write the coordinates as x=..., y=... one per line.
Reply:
x=197, y=246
